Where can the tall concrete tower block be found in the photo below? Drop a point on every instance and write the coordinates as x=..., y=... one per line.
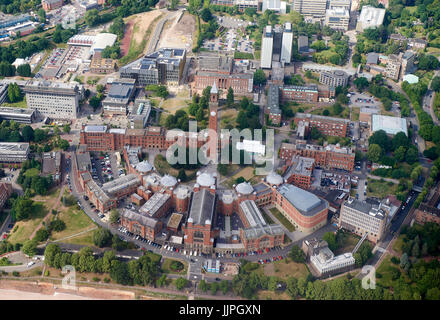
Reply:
x=267, y=48
x=286, y=46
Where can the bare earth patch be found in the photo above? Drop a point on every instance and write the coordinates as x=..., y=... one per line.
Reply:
x=178, y=35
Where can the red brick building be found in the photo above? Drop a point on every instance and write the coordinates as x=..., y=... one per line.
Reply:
x=328, y=126
x=300, y=93
x=51, y=4
x=198, y=232
x=300, y=172
x=141, y=225
x=425, y=213
x=328, y=157
x=5, y=193
x=303, y=209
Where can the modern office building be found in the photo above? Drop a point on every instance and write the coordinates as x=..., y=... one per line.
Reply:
x=286, y=46
x=277, y=6
x=13, y=152
x=334, y=78
x=17, y=114
x=370, y=17
x=118, y=97
x=267, y=48
x=310, y=8
x=327, y=264
x=346, y=4
x=303, y=209
x=57, y=100
x=164, y=66
x=140, y=113
x=337, y=18
x=303, y=44
x=360, y=217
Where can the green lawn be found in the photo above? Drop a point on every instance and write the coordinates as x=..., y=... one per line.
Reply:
x=282, y=219
x=285, y=270
x=267, y=218
x=166, y=266
x=85, y=239
x=385, y=271
x=23, y=229
x=349, y=241
x=153, y=256
x=76, y=221
x=379, y=189
x=20, y=104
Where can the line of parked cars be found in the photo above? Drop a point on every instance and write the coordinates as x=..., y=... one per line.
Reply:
x=269, y=260
x=138, y=237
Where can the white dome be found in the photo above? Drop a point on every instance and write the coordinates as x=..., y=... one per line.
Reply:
x=244, y=188
x=205, y=180
x=168, y=181
x=144, y=166
x=274, y=178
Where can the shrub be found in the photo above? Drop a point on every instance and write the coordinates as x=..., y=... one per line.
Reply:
x=176, y=266
x=106, y=280
x=15, y=273
x=96, y=279
x=395, y=260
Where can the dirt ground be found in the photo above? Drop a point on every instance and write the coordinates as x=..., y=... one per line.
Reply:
x=141, y=23
x=178, y=35
x=21, y=295
x=125, y=43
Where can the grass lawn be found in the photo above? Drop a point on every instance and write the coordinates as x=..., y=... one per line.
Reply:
x=228, y=117
x=378, y=188
x=20, y=104
x=76, y=221
x=285, y=270
x=268, y=219
x=282, y=219
x=167, y=263
x=85, y=239
x=23, y=229
x=348, y=243
x=247, y=173
x=385, y=269
x=271, y=295
x=173, y=104
x=397, y=245
x=355, y=114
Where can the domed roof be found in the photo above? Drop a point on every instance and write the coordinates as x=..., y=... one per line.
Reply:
x=144, y=166
x=244, y=188
x=168, y=181
x=274, y=178
x=205, y=180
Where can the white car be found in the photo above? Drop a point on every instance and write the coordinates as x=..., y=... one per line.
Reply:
x=30, y=264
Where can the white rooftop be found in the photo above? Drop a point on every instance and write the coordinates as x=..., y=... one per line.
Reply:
x=391, y=125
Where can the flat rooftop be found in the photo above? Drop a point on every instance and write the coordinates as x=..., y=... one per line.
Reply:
x=391, y=125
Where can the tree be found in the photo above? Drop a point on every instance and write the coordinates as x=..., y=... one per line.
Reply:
x=230, y=97
x=40, y=135
x=330, y=237
x=433, y=294
x=66, y=128
x=428, y=62
x=41, y=235
x=224, y=286
x=114, y=216
x=30, y=248
x=57, y=225
x=50, y=252
x=374, y=152
x=22, y=208
x=181, y=283
x=404, y=260
x=400, y=139
x=315, y=134
x=361, y=83
x=412, y=155
x=119, y=272
x=162, y=92
x=42, y=15
x=296, y=254
x=259, y=77
x=206, y=14
x=203, y=285
x=14, y=93
x=399, y=154
x=24, y=70
x=182, y=175
x=95, y=102
x=27, y=133
x=380, y=137
x=102, y=237
x=435, y=84
x=63, y=144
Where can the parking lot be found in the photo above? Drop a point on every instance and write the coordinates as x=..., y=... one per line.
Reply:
x=105, y=168
x=230, y=41
x=363, y=100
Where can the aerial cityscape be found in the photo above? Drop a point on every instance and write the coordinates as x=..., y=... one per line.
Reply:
x=220, y=150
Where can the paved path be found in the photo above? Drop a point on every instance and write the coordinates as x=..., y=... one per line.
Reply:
x=385, y=179
x=76, y=234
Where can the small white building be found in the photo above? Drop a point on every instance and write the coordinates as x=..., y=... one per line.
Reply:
x=370, y=17
x=274, y=5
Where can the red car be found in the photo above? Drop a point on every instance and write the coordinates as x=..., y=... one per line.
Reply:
x=267, y=250
x=280, y=257
x=5, y=236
